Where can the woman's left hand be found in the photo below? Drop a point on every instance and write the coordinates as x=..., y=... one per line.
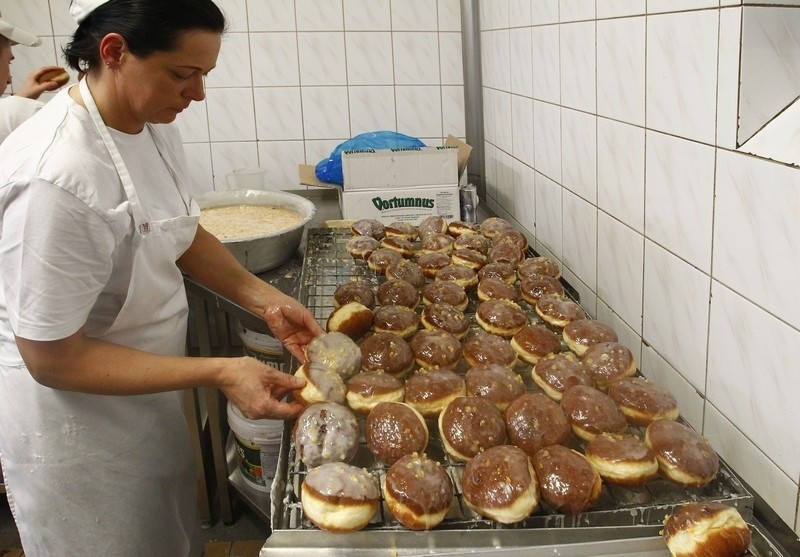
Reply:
x=292, y=324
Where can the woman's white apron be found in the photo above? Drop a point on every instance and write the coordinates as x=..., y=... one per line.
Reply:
x=112, y=475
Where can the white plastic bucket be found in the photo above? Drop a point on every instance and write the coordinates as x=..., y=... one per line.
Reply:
x=262, y=347
x=258, y=443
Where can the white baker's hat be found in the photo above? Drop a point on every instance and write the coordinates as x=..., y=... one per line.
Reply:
x=17, y=35
x=80, y=9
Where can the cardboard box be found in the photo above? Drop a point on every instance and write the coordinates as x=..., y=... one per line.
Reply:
x=400, y=185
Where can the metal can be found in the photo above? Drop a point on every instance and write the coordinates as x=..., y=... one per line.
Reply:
x=468, y=196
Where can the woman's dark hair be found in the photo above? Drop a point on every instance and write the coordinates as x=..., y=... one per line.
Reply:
x=148, y=26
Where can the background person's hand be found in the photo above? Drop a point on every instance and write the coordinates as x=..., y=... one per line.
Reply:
x=31, y=88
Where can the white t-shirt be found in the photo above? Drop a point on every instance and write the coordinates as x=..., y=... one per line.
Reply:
x=15, y=110
x=65, y=240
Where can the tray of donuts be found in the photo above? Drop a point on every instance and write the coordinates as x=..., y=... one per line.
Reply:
x=470, y=391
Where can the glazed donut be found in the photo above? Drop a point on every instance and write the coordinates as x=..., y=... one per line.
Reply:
x=436, y=349
x=366, y=389
x=323, y=384
x=684, y=456
x=622, y=459
x=607, y=362
x=643, y=402
x=568, y=482
x=469, y=425
x=381, y=258
x=485, y=348
x=402, y=246
x=534, y=342
x=555, y=373
x=583, y=333
x=325, y=432
x=503, y=271
x=500, y=484
x=408, y=271
x=512, y=236
x=433, y=224
x=458, y=228
x=446, y=292
x=336, y=351
x=496, y=289
x=399, y=320
x=501, y=317
x=398, y=292
x=401, y=229
x=361, y=247
x=535, y=286
x=706, y=529
x=497, y=384
x=463, y=276
x=368, y=227
x=418, y=492
x=491, y=226
x=430, y=263
x=558, y=311
x=506, y=252
x=353, y=319
x=468, y=258
x=445, y=317
x=354, y=291
x=539, y=266
x=430, y=391
x=534, y=421
x=476, y=242
x=339, y=497
x=387, y=352
x=591, y=412
x=436, y=243
x=393, y=430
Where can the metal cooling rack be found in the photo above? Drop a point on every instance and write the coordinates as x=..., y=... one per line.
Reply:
x=326, y=266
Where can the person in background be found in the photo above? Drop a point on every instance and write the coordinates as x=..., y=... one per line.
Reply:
x=97, y=225
x=23, y=104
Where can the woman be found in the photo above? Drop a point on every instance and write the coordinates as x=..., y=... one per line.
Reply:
x=96, y=226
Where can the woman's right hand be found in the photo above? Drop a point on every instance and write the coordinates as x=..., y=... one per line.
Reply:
x=258, y=389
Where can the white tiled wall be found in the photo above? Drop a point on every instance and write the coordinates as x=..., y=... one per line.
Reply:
x=689, y=249
x=297, y=77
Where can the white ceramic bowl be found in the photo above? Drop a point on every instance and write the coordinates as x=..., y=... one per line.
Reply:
x=262, y=253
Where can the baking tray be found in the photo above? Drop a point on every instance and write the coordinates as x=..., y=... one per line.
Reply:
x=619, y=513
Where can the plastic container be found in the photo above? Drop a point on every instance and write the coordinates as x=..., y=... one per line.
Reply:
x=258, y=443
x=262, y=347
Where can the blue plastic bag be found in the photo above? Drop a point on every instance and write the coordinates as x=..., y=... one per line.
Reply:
x=330, y=169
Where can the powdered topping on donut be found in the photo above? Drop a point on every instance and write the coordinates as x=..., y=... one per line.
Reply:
x=534, y=421
x=485, y=348
x=326, y=432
